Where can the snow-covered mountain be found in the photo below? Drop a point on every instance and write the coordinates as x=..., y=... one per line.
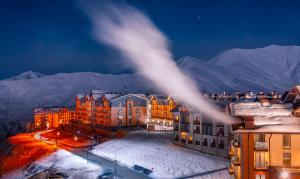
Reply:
x=27, y=76
x=262, y=69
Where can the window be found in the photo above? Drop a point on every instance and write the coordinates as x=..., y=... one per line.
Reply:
x=287, y=159
x=259, y=137
x=197, y=130
x=260, y=176
x=190, y=140
x=197, y=142
x=220, y=131
x=286, y=142
x=261, y=160
x=207, y=129
x=204, y=143
x=221, y=144
x=213, y=143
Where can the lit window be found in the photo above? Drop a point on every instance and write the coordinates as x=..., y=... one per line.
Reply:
x=286, y=142
x=260, y=176
x=261, y=160
x=287, y=159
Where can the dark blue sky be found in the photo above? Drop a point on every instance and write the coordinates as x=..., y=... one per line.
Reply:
x=55, y=36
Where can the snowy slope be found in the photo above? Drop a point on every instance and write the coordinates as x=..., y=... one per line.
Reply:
x=19, y=97
x=262, y=69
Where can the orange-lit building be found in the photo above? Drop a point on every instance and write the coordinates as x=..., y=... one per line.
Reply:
x=161, y=110
x=266, y=145
x=46, y=118
x=111, y=110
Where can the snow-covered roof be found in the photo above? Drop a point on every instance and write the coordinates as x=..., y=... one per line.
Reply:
x=111, y=96
x=291, y=128
x=44, y=110
x=80, y=96
x=256, y=109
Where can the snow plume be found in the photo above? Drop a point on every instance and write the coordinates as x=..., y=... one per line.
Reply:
x=141, y=43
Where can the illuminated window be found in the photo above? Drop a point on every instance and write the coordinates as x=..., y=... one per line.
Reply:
x=287, y=159
x=286, y=142
x=261, y=159
x=260, y=176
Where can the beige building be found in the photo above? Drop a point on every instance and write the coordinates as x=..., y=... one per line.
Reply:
x=267, y=143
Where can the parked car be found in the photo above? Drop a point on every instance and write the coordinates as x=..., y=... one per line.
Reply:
x=108, y=174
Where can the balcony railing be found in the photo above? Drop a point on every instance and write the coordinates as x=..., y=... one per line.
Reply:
x=230, y=170
x=261, y=146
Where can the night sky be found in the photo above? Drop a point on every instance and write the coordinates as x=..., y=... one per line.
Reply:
x=55, y=36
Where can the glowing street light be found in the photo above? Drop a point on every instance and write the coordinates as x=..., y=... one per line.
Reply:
x=284, y=175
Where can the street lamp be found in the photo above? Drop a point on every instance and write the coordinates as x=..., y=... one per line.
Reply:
x=284, y=175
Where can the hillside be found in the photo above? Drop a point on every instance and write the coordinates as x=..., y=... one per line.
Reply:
x=262, y=69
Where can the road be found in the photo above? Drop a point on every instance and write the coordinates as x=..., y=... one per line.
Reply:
x=122, y=171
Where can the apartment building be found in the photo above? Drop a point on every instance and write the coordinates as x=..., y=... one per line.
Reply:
x=196, y=131
x=267, y=143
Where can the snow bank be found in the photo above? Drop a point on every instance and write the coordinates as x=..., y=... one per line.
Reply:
x=154, y=150
x=65, y=162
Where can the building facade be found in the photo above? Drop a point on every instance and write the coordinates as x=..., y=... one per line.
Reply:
x=112, y=110
x=47, y=118
x=196, y=131
x=267, y=143
x=160, y=112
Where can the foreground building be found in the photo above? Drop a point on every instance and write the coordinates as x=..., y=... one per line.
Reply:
x=196, y=131
x=267, y=143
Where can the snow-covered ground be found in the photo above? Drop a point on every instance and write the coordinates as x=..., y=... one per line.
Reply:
x=64, y=162
x=155, y=151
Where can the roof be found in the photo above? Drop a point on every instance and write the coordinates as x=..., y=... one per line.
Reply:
x=44, y=110
x=111, y=96
x=292, y=128
x=256, y=109
x=80, y=96
x=292, y=94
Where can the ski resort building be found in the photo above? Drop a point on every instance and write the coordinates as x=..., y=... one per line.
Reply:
x=46, y=118
x=267, y=143
x=196, y=131
x=160, y=112
x=112, y=110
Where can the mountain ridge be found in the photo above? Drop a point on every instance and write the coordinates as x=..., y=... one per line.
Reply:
x=264, y=69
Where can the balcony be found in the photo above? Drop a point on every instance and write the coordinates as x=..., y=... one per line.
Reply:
x=261, y=146
x=231, y=152
x=236, y=144
x=236, y=161
x=230, y=170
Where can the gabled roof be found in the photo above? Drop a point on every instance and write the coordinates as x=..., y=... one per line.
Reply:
x=292, y=94
x=111, y=96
